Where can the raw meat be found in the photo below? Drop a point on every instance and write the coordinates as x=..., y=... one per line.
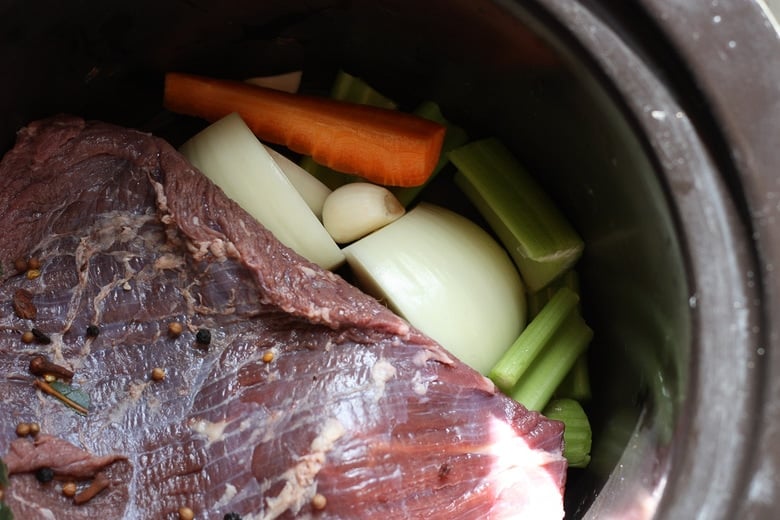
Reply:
x=355, y=405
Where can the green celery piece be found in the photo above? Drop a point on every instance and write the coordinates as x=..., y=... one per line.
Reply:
x=533, y=340
x=454, y=138
x=347, y=87
x=328, y=176
x=577, y=433
x=540, y=240
x=538, y=299
x=576, y=384
x=545, y=374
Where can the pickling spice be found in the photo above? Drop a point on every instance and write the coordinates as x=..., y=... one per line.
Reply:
x=44, y=475
x=203, y=336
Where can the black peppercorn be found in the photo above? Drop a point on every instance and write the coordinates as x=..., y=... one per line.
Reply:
x=232, y=516
x=203, y=336
x=93, y=331
x=44, y=475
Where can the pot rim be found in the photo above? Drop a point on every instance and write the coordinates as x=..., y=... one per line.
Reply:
x=664, y=59
x=733, y=51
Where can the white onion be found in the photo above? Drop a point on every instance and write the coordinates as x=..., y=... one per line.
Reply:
x=448, y=278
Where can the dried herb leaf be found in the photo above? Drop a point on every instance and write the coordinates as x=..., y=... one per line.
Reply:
x=78, y=396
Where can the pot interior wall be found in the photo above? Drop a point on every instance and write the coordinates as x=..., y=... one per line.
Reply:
x=490, y=73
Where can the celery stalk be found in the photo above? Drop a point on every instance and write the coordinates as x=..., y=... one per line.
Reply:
x=328, y=176
x=538, y=299
x=351, y=88
x=534, y=338
x=538, y=384
x=576, y=384
x=577, y=434
x=539, y=239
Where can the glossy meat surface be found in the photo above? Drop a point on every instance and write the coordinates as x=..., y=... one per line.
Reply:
x=355, y=405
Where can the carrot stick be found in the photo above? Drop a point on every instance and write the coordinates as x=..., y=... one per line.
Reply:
x=383, y=146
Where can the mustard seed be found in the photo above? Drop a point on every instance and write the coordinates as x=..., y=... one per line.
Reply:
x=23, y=429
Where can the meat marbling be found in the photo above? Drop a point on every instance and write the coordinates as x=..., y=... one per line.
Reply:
x=355, y=405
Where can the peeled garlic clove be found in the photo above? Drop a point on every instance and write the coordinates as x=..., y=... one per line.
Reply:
x=356, y=209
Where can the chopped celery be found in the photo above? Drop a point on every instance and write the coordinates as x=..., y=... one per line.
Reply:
x=538, y=384
x=454, y=138
x=539, y=239
x=538, y=299
x=535, y=337
x=577, y=434
x=329, y=177
x=351, y=88
x=576, y=384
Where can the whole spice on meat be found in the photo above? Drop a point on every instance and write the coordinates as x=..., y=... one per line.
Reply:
x=20, y=264
x=33, y=263
x=319, y=501
x=28, y=337
x=158, y=374
x=47, y=388
x=175, y=329
x=185, y=513
x=44, y=475
x=203, y=336
x=41, y=337
x=268, y=356
x=23, y=304
x=41, y=366
x=98, y=484
x=93, y=331
x=32, y=274
x=69, y=489
x=23, y=429
x=35, y=429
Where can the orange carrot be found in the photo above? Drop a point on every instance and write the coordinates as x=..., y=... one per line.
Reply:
x=383, y=146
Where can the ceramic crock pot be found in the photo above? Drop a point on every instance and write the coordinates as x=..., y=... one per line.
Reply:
x=654, y=124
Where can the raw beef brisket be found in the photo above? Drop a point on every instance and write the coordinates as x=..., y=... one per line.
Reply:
x=306, y=388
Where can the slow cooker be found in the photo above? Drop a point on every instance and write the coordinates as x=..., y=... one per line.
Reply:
x=653, y=124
